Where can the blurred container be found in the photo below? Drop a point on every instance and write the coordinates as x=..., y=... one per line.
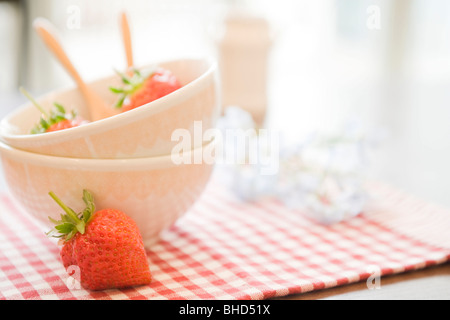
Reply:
x=243, y=56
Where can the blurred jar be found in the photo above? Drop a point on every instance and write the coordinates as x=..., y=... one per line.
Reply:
x=243, y=55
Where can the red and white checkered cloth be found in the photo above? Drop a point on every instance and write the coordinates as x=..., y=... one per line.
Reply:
x=225, y=249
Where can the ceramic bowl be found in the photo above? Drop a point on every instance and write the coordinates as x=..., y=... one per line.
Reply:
x=142, y=132
x=154, y=191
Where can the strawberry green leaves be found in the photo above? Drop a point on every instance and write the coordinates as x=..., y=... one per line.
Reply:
x=72, y=222
x=56, y=115
x=131, y=84
x=90, y=206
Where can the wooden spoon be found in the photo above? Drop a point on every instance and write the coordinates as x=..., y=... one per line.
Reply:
x=98, y=109
x=126, y=35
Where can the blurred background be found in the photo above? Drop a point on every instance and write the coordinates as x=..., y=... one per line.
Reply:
x=297, y=65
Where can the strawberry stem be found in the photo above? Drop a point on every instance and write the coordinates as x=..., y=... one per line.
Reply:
x=72, y=222
x=79, y=224
x=29, y=97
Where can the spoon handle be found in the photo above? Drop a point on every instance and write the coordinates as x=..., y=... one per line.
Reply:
x=48, y=35
x=97, y=107
x=126, y=34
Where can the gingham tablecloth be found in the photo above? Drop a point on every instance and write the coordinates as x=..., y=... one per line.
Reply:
x=226, y=249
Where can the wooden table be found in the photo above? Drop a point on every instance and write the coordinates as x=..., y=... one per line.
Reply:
x=431, y=283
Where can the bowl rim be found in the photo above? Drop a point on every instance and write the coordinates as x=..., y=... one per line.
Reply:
x=113, y=121
x=86, y=164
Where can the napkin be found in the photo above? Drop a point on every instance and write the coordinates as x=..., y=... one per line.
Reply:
x=224, y=248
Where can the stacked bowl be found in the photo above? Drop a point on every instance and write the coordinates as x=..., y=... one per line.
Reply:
x=124, y=160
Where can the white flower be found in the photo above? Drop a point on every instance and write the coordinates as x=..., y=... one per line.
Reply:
x=321, y=175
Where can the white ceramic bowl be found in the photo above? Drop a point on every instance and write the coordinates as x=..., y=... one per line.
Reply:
x=154, y=192
x=142, y=132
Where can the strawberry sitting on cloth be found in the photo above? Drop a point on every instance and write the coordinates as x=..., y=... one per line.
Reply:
x=106, y=245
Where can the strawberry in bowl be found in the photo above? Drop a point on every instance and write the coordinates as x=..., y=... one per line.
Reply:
x=55, y=120
x=144, y=87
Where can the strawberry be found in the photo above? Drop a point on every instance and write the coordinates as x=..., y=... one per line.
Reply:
x=67, y=123
x=106, y=246
x=142, y=88
x=58, y=119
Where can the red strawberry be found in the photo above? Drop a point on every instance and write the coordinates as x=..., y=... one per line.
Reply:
x=105, y=245
x=141, y=88
x=66, y=124
x=58, y=119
